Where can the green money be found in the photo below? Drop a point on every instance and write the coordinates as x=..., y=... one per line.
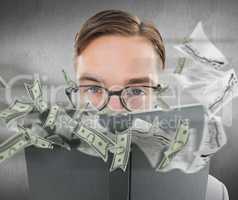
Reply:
x=65, y=125
x=97, y=140
x=35, y=92
x=41, y=142
x=13, y=145
x=51, y=118
x=15, y=110
x=181, y=138
x=68, y=81
x=36, y=140
x=121, y=152
x=58, y=140
x=20, y=141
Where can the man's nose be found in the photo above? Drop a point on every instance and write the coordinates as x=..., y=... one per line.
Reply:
x=115, y=104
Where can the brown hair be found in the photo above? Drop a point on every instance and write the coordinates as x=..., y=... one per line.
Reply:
x=117, y=22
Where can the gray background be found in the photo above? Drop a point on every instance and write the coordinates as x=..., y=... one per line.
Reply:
x=36, y=36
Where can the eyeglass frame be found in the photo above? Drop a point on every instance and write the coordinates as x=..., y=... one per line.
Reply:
x=110, y=93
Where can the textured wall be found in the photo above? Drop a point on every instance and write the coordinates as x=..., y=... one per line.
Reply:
x=36, y=36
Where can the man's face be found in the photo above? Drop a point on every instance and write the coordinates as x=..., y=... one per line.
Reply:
x=115, y=62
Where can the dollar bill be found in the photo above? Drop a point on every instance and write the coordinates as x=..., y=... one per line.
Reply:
x=202, y=50
x=195, y=75
x=20, y=141
x=151, y=138
x=35, y=92
x=86, y=149
x=195, y=54
x=121, y=151
x=142, y=128
x=70, y=83
x=59, y=141
x=226, y=89
x=17, y=109
x=215, y=137
x=214, y=92
x=51, y=118
x=35, y=140
x=161, y=135
x=13, y=145
x=86, y=109
x=181, y=139
x=65, y=125
x=97, y=140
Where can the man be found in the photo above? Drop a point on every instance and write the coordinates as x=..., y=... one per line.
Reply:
x=117, y=61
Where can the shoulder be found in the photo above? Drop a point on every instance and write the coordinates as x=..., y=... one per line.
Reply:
x=216, y=190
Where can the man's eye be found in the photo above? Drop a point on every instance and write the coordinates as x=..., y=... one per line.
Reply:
x=94, y=90
x=136, y=92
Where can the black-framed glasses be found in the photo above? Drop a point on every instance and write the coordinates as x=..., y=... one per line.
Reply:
x=132, y=98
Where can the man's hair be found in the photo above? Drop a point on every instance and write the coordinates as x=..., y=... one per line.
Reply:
x=117, y=22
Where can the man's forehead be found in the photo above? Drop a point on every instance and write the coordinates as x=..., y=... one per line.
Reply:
x=118, y=74
x=118, y=60
x=109, y=50
x=104, y=61
x=139, y=79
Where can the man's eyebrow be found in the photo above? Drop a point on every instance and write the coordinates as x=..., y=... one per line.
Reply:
x=87, y=77
x=140, y=80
